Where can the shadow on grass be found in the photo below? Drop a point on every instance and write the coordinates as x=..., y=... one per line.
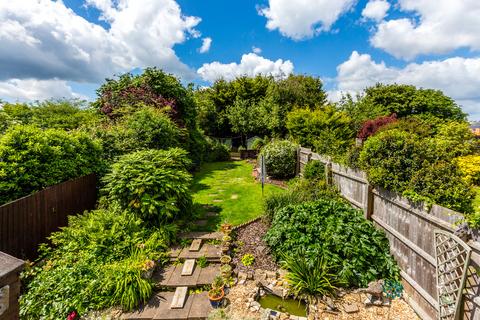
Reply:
x=206, y=212
x=209, y=170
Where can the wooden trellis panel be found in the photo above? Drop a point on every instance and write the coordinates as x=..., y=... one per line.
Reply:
x=452, y=257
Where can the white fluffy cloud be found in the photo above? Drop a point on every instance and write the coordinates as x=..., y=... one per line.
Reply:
x=442, y=26
x=256, y=50
x=376, y=9
x=44, y=39
x=301, y=19
x=206, y=43
x=251, y=64
x=457, y=77
x=32, y=89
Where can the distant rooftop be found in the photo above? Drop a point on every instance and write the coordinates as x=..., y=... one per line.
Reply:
x=475, y=125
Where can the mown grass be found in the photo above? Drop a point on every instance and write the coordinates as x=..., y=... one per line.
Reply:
x=230, y=190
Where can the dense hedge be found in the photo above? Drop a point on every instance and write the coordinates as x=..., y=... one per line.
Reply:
x=32, y=159
x=351, y=245
x=154, y=184
x=280, y=158
x=421, y=168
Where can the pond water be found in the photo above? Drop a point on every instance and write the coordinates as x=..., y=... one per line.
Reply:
x=291, y=306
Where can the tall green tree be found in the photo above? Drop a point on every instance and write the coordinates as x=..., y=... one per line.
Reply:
x=403, y=100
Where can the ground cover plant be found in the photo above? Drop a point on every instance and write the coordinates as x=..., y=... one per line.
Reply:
x=98, y=261
x=299, y=191
x=338, y=233
x=229, y=189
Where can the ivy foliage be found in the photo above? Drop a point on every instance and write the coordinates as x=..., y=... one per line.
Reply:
x=338, y=233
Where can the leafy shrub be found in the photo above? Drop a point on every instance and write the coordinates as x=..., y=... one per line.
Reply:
x=146, y=128
x=258, y=143
x=299, y=191
x=404, y=100
x=470, y=167
x=217, y=151
x=311, y=277
x=441, y=183
x=280, y=158
x=370, y=127
x=153, y=88
x=313, y=170
x=391, y=158
x=327, y=130
x=453, y=139
x=97, y=261
x=336, y=232
x=421, y=169
x=154, y=184
x=32, y=159
x=248, y=259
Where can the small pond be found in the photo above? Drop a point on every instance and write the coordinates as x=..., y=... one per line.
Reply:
x=291, y=306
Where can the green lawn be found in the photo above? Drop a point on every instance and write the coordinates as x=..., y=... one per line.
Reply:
x=228, y=189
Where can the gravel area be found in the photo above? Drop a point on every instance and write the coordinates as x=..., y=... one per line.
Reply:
x=250, y=240
x=399, y=309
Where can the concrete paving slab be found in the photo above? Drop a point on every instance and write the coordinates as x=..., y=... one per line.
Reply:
x=196, y=244
x=188, y=267
x=178, y=300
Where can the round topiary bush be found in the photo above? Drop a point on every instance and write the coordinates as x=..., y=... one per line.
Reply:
x=280, y=158
x=154, y=184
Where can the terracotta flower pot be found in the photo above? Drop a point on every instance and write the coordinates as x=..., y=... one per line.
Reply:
x=216, y=302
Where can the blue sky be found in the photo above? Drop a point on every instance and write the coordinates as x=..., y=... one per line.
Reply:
x=66, y=49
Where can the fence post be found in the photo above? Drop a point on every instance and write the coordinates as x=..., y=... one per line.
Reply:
x=297, y=167
x=329, y=173
x=369, y=205
x=10, y=269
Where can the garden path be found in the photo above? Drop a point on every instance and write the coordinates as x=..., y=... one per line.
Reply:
x=183, y=277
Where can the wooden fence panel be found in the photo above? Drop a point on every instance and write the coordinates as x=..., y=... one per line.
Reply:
x=409, y=228
x=27, y=222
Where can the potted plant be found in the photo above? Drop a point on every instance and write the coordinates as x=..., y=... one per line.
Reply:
x=226, y=270
x=225, y=259
x=218, y=282
x=226, y=228
x=215, y=295
x=147, y=269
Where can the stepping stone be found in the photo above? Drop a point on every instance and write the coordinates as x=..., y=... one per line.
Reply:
x=201, y=306
x=150, y=309
x=210, y=251
x=208, y=274
x=176, y=279
x=201, y=235
x=201, y=223
x=179, y=298
x=188, y=267
x=211, y=214
x=217, y=200
x=234, y=197
x=196, y=244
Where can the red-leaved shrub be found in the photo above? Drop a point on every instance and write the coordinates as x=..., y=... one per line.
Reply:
x=370, y=127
